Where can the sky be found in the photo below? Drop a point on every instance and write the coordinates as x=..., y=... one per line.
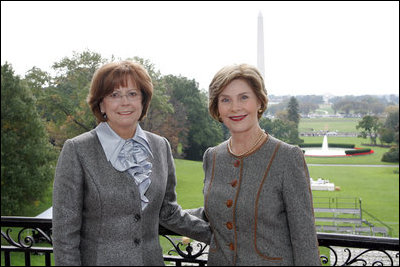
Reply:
x=310, y=47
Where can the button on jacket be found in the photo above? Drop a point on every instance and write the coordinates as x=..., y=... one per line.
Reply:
x=259, y=207
x=97, y=215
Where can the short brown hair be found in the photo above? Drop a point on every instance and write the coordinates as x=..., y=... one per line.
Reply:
x=113, y=75
x=226, y=75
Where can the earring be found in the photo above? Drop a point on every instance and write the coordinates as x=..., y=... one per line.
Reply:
x=104, y=115
x=260, y=110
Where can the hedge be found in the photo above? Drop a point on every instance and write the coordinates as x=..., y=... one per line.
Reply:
x=392, y=155
x=329, y=145
x=357, y=151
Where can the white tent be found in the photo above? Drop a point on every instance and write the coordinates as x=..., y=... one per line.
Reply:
x=47, y=214
x=321, y=184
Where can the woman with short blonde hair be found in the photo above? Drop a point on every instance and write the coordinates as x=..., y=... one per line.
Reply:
x=257, y=195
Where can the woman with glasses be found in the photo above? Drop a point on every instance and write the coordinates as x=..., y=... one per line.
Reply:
x=115, y=184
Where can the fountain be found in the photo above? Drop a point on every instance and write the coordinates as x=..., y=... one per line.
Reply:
x=325, y=151
x=325, y=144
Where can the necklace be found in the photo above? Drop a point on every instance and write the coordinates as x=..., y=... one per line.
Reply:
x=252, y=148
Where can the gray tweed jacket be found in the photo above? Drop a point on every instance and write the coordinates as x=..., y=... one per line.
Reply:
x=97, y=216
x=259, y=207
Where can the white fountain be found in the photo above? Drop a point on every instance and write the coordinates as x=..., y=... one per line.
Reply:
x=325, y=147
x=325, y=151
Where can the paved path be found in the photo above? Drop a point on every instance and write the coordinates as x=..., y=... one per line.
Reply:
x=351, y=165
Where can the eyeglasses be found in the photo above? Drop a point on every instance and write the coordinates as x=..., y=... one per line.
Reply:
x=131, y=96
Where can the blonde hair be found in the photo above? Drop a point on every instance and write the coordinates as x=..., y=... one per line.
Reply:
x=113, y=75
x=226, y=75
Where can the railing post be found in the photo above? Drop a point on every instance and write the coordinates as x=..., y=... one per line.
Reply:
x=47, y=259
x=7, y=261
x=27, y=258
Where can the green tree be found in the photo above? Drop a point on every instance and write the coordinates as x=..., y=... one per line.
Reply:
x=307, y=107
x=370, y=126
x=161, y=117
x=386, y=135
x=391, y=134
x=27, y=158
x=283, y=130
x=392, y=119
x=38, y=81
x=293, y=111
x=202, y=130
x=67, y=112
x=365, y=104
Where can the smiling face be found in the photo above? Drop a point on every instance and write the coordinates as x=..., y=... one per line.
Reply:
x=238, y=107
x=123, y=108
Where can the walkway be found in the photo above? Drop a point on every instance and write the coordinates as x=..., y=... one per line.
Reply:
x=352, y=165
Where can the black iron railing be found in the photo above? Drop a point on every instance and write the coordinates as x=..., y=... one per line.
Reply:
x=33, y=236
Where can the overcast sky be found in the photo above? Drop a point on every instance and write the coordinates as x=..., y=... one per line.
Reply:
x=341, y=47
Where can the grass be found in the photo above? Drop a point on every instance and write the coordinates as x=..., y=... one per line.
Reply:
x=329, y=124
x=17, y=259
x=325, y=109
x=190, y=183
x=377, y=188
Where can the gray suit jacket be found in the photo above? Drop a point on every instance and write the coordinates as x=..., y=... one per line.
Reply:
x=97, y=216
x=259, y=207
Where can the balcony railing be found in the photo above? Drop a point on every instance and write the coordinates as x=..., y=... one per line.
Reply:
x=34, y=236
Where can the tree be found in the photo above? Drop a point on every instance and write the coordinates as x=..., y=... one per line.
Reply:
x=392, y=155
x=392, y=119
x=370, y=126
x=391, y=134
x=293, y=111
x=293, y=119
x=27, y=158
x=344, y=105
x=160, y=117
x=274, y=109
x=365, y=104
x=66, y=112
x=307, y=107
x=204, y=131
x=283, y=130
x=191, y=109
x=386, y=135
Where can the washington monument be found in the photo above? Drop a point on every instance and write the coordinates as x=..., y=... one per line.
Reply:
x=260, y=46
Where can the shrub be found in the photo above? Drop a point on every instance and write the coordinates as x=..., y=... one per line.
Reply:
x=329, y=145
x=392, y=155
x=342, y=145
x=357, y=151
x=311, y=145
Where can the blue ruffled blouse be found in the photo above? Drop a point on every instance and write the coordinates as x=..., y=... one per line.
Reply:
x=128, y=155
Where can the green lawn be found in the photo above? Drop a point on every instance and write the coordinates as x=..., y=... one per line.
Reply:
x=377, y=187
x=325, y=109
x=329, y=124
